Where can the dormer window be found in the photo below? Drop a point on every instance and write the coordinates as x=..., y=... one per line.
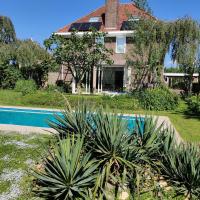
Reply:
x=94, y=19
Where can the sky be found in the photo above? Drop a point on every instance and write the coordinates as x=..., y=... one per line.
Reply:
x=37, y=19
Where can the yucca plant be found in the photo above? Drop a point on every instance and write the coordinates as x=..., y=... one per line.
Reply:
x=73, y=121
x=68, y=173
x=151, y=138
x=110, y=145
x=181, y=168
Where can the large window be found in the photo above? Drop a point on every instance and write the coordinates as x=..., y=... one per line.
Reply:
x=121, y=44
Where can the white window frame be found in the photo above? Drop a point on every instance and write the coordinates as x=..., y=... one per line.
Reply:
x=117, y=41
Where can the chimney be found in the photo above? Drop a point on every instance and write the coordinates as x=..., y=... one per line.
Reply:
x=111, y=15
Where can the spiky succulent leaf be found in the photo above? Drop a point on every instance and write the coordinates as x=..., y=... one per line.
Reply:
x=68, y=174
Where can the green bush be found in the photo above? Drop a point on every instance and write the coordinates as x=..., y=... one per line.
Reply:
x=26, y=86
x=193, y=106
x=157, y=99
x=8, y=77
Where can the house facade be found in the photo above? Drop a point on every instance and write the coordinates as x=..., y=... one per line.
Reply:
x=111, y=18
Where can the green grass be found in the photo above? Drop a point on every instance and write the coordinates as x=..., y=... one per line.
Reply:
x=17, y=157
x=188, y=126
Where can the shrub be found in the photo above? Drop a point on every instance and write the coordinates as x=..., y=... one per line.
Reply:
x=63, y=86
x=193, y=106
x=9, y=76
x=157, y=99
x=26, y=86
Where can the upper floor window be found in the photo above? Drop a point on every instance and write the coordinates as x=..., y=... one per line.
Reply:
x=94, y=19
x=121, y=44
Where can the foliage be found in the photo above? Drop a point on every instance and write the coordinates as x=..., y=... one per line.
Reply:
x=8, y=69
x=143, y=4
x=26, y=86
x=68, y=173
x=26, y=59
x=79, y=53
x=157, y=99
x=112, y=145
x=151, y=42
x=181, y=168
x=7, y=30
x=107, y=137
x=173, y=70
x=193, y=106
x=33, y=61
x=185, y=47
x=153, y=39
x=152, y=138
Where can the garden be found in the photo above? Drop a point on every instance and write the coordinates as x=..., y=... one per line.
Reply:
x=95, y=155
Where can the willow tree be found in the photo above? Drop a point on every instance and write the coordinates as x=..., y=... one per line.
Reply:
x=7, y=30
x=143, y=4
x=185, y=48
x=151, y=41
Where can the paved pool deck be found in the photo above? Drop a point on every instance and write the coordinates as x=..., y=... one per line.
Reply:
x=38, y=130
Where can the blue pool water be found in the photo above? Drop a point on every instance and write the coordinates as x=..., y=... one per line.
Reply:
x=37, y=118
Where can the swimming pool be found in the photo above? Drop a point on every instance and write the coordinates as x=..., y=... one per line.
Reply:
x=38, y=118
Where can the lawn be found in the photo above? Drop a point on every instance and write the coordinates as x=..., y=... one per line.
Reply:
x=19, y=154
x=187, y=126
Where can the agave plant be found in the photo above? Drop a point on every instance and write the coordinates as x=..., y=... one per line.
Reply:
x=181, y=168
x=68, y=173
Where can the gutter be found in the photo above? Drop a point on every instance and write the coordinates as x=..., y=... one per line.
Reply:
x=109, y=33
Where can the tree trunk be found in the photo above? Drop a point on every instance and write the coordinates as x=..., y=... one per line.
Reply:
x=79, y=87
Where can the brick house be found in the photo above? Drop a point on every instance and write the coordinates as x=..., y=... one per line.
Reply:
x=111, y=18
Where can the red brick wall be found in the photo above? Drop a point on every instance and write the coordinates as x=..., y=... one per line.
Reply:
x=111, y=15
x=119, y=58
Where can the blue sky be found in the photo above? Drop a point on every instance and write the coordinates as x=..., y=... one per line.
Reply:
x=37, y=19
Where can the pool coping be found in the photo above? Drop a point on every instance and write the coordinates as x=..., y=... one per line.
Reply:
x=40, y=130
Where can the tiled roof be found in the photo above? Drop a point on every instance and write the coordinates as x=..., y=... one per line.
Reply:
x=125, y=10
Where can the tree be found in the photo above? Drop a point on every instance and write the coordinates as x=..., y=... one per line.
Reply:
x=23, y=59
x=7, y=30
x=9, y=71
x=81, y=54
x=143, y=4
x=151, y=41
x=185, y=48
x=33, y=61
